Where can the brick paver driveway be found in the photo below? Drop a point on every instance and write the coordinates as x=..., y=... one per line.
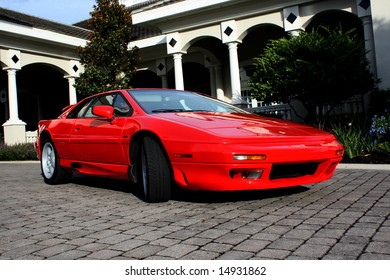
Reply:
x=344, y=218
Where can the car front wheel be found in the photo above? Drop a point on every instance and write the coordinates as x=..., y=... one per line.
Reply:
x=154, y=175
x=50, y=165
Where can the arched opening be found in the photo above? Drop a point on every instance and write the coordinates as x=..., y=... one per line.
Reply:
x=42, y=93
x=252, y=46
x=257, y=38
x=196, y=78
x=146, y=79
x=335, y=19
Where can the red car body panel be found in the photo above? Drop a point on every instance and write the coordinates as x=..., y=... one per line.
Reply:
x=200, y=146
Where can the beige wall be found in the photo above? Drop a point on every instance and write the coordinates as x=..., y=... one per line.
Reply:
x=381, y=24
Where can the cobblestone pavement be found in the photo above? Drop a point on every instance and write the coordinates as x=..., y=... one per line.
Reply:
x=346, y=217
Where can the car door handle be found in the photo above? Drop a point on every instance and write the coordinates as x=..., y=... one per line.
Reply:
x=77, y=129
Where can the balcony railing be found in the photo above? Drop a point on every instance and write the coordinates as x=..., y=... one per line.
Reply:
x=348, y=108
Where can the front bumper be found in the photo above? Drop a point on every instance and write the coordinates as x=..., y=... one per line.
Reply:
x=228, y=177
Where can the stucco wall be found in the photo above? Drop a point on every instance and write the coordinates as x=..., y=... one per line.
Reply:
x=381, y=24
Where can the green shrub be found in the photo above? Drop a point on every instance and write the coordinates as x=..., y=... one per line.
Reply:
x=355, y=139
x=18, y=152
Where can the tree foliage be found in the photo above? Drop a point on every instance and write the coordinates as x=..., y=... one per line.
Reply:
x=108, y=62
x=315, y=68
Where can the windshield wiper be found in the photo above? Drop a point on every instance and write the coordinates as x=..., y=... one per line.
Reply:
x=176, y=110
x=167, y=110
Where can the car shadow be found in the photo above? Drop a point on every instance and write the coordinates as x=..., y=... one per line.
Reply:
x=231, y=196
x=103, y=183
x=186, y=195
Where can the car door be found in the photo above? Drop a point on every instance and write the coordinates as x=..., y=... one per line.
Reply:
x=97, y=139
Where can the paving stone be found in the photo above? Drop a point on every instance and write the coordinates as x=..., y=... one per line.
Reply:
x=128, y=245
x=105, y=254
x=373, y=256
x=232, y=238
x=351, y=250
x=103, y=234
x=177, y=250
x=152, y=235
x=55, y=250
x=70, y=255
x=213, y=233
x=93, y=247
x=330, y=233
x=311, y=251
x=299, y=234
x=251, y=245
x=144, y=251
x=52, y=241
x=322, y=241
x=197, y=241
x=115, y=239
x=22, y=251
x=217, y=247
x=382, y=236
x=166, y=242
x=182, y=234
x=273, y=254
x=235, y=255
x=266, y=236
x=286, y=244
x=201, y=255
x=378, y=248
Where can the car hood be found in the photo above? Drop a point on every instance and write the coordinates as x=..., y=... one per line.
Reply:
x=242, y=125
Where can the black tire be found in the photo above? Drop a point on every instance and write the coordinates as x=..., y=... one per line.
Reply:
x=52, y=173
x=154, y=174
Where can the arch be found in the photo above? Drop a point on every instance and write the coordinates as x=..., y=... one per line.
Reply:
x=257, y=38
x=245, y=25
x=146, y=79
x=190, y=37
x=42, y=93
x=59, y=65
x=211, y=48
x=336, y=19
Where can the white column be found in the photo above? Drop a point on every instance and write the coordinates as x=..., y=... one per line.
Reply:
x=179, y=79
x=164, y=81
x=72, y=90
x=212, y=81
x=14, y=128
x=12, y=96
x=219, y=82
x=369, y=43
x=295, y=33
x=234, y=73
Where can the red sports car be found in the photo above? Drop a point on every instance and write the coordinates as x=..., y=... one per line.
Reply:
x=159, y=138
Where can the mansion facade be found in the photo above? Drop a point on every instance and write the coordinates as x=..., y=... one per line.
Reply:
x=202, y=45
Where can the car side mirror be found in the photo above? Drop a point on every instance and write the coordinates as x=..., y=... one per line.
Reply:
x=104, y=111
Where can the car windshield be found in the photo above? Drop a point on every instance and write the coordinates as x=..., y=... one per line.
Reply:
x=168, y=101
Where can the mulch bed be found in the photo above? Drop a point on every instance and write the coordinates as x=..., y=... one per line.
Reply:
x=373, y=158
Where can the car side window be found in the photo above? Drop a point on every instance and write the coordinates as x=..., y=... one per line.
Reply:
x=100, y=100
x=121, y=107
x=77, y=111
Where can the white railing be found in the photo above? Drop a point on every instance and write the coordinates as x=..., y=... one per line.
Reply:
x=31, y=136
x=350, y=107
x=282, y=111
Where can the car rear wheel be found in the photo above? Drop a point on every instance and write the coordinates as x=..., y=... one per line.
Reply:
x=50, y=165
x=154, y=175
